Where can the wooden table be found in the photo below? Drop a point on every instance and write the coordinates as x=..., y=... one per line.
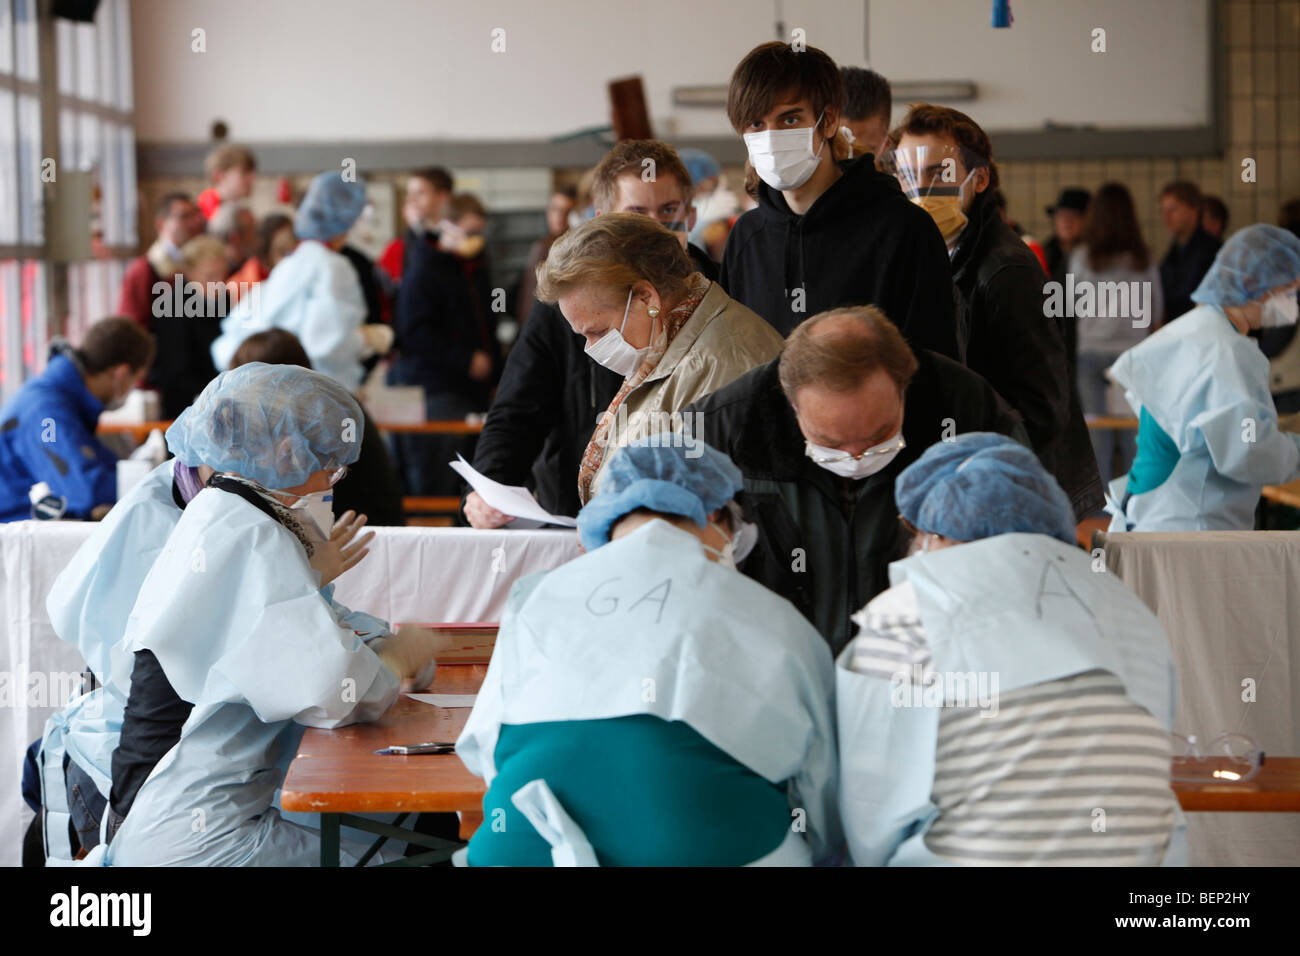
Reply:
x=337, y=772
x=1113, y=423
x=1275, y=789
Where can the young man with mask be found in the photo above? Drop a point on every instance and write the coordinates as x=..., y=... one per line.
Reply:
x=47, y=430
x=551, y=393
x=828, y=231
x=820, y=434
x=944, y=163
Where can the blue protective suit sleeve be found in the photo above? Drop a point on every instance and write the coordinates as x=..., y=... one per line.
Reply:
x=1240, y=430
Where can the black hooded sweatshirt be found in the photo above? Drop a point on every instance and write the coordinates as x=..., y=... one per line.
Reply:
x=861, y=243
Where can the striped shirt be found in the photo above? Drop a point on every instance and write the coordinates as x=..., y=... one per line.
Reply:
x=1067, y=772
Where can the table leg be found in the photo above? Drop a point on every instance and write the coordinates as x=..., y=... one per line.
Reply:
x=329, y=839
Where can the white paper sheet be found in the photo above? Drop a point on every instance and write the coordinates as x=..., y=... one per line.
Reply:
x=508, y=499
x=445, y=700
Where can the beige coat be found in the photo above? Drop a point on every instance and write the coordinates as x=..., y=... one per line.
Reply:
x=721, y=341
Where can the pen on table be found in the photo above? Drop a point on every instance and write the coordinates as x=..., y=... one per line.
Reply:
x=433, y=747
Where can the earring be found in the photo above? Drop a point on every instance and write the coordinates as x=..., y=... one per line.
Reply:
x=654, y=313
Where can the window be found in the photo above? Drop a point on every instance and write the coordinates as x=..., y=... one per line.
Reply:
x=90, y=93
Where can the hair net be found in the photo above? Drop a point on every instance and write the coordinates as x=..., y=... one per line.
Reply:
x=699, y=164
x=330, y=207
x=981, y=485
x=275, y=424
x=693, y=481
x=1254, y=260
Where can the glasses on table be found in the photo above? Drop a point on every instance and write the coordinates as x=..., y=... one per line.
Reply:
x=1228, y=758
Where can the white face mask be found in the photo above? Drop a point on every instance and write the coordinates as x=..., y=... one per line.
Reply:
x=868, y=463
x=612, y=350
x=784, y=158
x=1280, y=311
x=318, y=508
x=740, y=544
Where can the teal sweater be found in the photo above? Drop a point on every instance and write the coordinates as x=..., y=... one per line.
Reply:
x=647, y=792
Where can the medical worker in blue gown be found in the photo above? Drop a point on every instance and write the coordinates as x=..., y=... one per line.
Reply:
x=88, y=607
x=646, y=704
x=1005, y=702
x=231, y=619
x=1208, y=436
x=314, y=291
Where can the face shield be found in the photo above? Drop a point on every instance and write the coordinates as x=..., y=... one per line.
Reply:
x=939, y=179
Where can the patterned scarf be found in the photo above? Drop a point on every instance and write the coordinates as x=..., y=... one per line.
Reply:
x=697, y=285
x=273, y=506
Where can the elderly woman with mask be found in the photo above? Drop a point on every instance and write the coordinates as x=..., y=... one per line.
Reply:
x=1003, y=703
x=625, y=284
x=232, y=643
x=648, y=705
x=1208, y=432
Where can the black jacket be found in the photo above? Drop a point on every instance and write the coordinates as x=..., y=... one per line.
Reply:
x=371, y=486
x=182, y=365
x=434, y=323
x=1021, y=351
x=547, y=404
x=364, y=267
x=825, y=542
x=1183, y=268
x=861, y=243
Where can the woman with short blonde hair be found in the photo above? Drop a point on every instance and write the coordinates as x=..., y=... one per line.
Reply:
x=624, y=283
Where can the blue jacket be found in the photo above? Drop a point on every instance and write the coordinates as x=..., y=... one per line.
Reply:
x=47, y=433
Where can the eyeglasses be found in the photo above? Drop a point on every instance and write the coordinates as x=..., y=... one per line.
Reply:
x=887, y=448
x=1228, y=758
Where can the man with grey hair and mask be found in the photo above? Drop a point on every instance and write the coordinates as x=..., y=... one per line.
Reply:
x=820, y=434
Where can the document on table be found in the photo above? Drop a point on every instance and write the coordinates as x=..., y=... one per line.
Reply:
x=509, y=499
x=445, y=700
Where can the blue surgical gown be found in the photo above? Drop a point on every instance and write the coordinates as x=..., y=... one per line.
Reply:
x=313, y=293
x=1025, y=607
x=232, y=612
x=1207, y=387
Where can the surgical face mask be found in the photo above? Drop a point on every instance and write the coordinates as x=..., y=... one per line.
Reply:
x=739, y=544
x=318, y=508
x=1280, y=311
x=864, y=465
x=727, y=554
x=612, y=350
x=945, y=207
x=784, y=158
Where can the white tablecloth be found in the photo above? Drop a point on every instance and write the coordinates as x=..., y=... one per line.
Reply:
x=1230, y=602
x=412, y=575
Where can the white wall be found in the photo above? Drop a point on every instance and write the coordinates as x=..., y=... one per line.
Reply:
x=292, y=70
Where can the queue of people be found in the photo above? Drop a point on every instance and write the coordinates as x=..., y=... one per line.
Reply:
x=787, y=470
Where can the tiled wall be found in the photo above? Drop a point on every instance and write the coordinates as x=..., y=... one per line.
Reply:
x=1262, y=40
